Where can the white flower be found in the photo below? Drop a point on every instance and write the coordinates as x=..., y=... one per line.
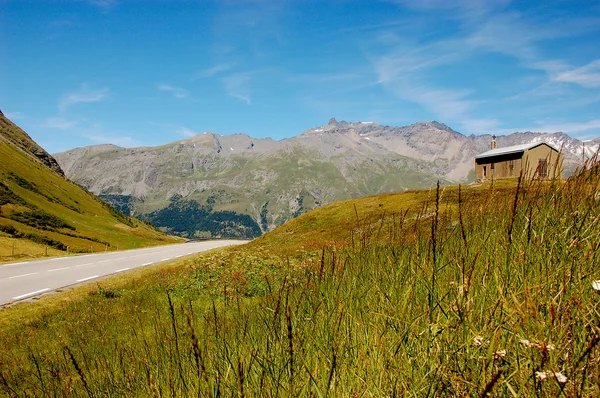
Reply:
x=550, y=347
x=478, y=341
x=500, y=354
x=541, y=376
x=561, y=378
x=525, y=343
x=596, y=285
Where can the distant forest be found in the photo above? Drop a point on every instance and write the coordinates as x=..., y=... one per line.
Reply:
x=190, y=219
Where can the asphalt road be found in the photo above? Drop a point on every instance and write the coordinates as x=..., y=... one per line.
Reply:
x=25, y=280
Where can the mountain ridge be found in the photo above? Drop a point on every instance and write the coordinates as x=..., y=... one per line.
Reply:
x=275, y=180
x=25, y=143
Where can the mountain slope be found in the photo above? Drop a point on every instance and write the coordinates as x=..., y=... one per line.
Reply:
x=273, y=181
x=41, y=212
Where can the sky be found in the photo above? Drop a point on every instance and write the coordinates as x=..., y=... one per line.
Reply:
x=148, y=72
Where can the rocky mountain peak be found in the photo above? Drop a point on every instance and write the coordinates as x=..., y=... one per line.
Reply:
x=332, y=121
x=442, y=126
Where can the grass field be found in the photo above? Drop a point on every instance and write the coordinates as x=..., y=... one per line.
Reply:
x=472, y=291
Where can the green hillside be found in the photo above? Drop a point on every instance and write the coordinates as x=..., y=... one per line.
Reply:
x=475, y=291
x=42, y=213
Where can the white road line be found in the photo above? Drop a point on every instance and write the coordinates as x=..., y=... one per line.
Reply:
x=57, y=269
x=30, y=294
x=57, y=258
x=20, y=276
x=81, y=265
x=181, y=255
x=147, y=264
x=87, y=279
x=13, y=264
x=121, y=270
x=165, y=259
x=104, y=261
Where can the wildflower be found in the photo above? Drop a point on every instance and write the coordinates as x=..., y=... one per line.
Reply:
x=541, y=376
x=561, y=378
x=478, y=341
x=596, y=286
x=500, y=354
x=550, y=347
x=526, y=343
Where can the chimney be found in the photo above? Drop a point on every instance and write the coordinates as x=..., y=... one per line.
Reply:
x=493, y=142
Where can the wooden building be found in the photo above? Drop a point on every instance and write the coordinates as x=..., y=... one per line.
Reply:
x=535, y=160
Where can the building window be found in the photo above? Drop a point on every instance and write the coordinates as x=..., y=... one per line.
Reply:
x=511, y=164
x=492, y=166
x=542, y=168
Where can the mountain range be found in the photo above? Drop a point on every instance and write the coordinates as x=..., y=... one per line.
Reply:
x=209, y=176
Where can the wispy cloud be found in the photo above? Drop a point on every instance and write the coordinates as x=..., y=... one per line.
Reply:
x=586, y=76
x=410, y=65
x=102, y=3
x=444, y=4
x=215, y=70
x=185, y=132
x=59, y=123
x=119, y=140
x=177, y=92
x=237, y=86
x=81, y=96
x=63, y=23
x=14, y=115
x=567, y=127
x=178, y=129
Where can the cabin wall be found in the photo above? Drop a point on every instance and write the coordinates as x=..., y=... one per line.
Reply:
x=503, y=166
x=510, y=165
x=553, y=159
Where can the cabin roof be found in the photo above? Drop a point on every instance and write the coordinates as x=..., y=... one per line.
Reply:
x=521, y=148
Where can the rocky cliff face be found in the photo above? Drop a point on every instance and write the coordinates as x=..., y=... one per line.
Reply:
x=273, y=181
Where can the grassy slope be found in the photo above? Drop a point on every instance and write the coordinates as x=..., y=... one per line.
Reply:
x=381, y=296
x=40, y=188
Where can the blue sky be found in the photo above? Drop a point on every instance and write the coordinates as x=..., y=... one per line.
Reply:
x=135, y=72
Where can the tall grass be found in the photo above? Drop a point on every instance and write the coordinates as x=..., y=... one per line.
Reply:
x=471, y=294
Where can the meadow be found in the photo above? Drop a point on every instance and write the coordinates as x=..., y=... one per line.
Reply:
x=455, y=291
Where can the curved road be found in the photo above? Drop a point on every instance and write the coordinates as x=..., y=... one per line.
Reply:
x=21, y=281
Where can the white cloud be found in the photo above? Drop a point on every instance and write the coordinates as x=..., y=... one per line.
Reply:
x=236, y=86
x=83, y=95
x=177, y=92
x=586, y=76
x=185, y=132
x=568, y=127
x=120, y=140
x=580, y=130
x=14, y=115
x=102, y=3
x=59, y=123
x=469, y=7
x=215, y=70
x=409, y=62
x=481, y=125
x=445, y=104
